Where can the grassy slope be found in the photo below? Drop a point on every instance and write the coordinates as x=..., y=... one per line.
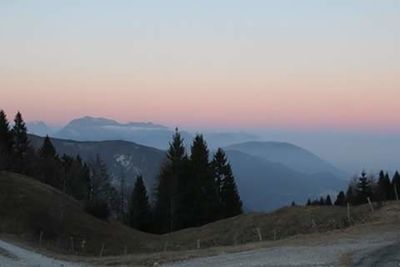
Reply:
x=28, y=207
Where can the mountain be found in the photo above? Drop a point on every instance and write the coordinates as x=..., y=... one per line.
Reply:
x=289, y=155
x=101, y=129
x=39, y=128
x=266, y=185
x=122, y=157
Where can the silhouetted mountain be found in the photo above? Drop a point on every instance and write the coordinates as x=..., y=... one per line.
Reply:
x=265, y=185
x=122, y=157
x=289, y=155
x=145, y=133
x=101, y=129
x=39, y=128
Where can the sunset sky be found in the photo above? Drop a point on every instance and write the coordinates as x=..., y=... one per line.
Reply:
x=226, y=64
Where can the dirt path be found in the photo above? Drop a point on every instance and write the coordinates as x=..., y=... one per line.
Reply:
x=373, y=249
x=12, y=255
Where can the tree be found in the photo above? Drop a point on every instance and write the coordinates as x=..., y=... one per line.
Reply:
x=321, y=201
x=101, y=195
x=340, y=199
x=219, y=167
x=21, y=146
x=139, y=207
x=350, y=196
x=172, y=189
x=50, y=171
x=204, y=188
x=308, y=202
x=363, y=189
x=384, y=188
x=328, y=201
x=396, y=184
x=76, y=177
x=230, y=199
x=6, y=142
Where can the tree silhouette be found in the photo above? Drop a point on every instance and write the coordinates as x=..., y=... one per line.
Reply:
x=139, y=207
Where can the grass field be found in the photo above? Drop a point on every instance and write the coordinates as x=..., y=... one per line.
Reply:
x=29, y=209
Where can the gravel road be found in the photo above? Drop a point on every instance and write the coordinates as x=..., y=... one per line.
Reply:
x=11, y=255
x=373, y=250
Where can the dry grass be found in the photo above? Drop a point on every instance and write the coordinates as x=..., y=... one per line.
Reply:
x=28, y=207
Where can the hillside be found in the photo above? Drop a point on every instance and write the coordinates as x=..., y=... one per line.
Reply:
x=28, y=207
x=292, y=156
x=122, y=157
x=265, y=185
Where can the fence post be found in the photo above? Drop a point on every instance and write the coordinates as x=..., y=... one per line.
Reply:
x=370, y=204
x=395, y=192
x=348, y=212
x=40, y=238
x=101, y=251
x=198, y=244
x=259, y=234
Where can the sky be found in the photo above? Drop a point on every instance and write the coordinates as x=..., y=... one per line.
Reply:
x=302, y=65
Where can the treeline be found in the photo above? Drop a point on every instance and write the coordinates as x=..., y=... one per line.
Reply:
x=191, y=190
x=88, y=183
x=364, y=188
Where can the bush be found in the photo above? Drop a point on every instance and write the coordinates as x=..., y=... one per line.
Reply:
x=98, y=209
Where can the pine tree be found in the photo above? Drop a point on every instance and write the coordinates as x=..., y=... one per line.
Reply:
x=328, y=201
x=203, y=184
x=171, y=192
x=21, y=146
x=308, y=202
x=50, y=171
x=76, y=177
x=340, y=199
x=350, y=196
x=384, y=189
x=6, y=142
x=102, y=194
x=139, y=207
x=231, y=203
x=321, y=201
x=396, y=185
x=364, y=189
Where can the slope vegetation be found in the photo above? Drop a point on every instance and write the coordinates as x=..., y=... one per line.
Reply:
x=29, y=208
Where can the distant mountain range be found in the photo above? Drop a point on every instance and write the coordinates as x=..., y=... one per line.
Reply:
x=289, y=155
x=122, y=158
x=145, y=133
x=264, y=184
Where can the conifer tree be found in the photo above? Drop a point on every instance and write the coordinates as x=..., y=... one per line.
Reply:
x=308, y=202
x=328, y=201
x=50, y=171
x=219, y=166
x=6, y=142
x=340, y=199
x=231, y=203
x=321, y=201
x=139, y=207
x=364, y=189
x=171, y=191
x=76, y=177
x=350, y=196
x=204, y=186
x=384, y=188
x=22, y=150
x=396, y=185
x=102, y=194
